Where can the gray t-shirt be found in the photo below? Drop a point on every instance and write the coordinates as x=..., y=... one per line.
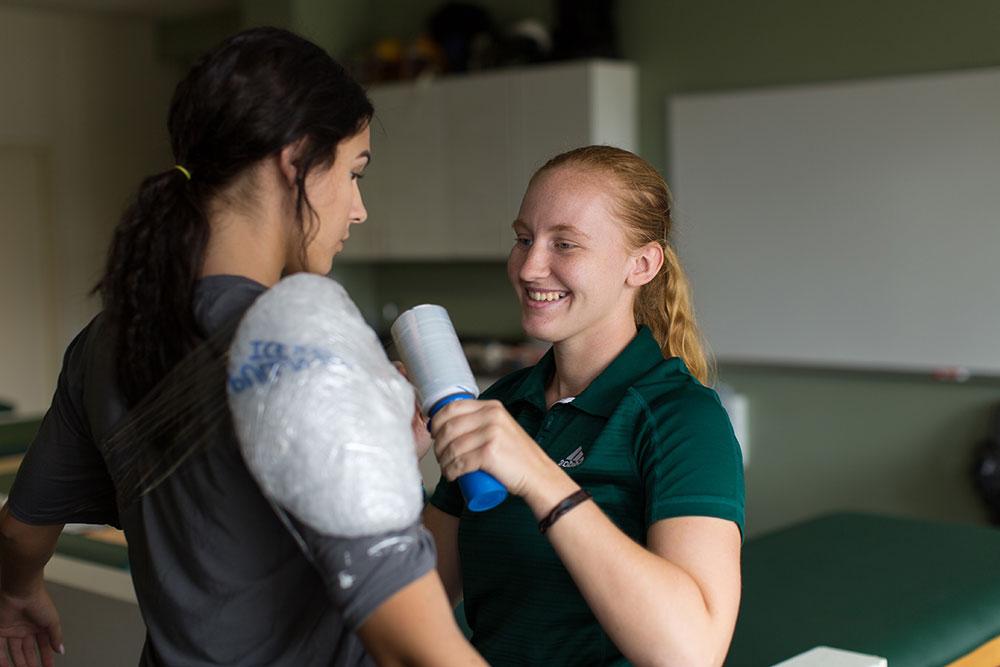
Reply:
x=219, y=578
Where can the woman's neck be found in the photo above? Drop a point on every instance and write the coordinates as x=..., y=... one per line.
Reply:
x=251, y=239
x=241, y=248
x=246, y=245
x=580, y=359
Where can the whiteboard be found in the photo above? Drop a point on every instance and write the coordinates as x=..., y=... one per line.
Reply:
x=853, y=224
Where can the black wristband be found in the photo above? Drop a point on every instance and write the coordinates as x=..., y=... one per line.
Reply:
x=566, y=505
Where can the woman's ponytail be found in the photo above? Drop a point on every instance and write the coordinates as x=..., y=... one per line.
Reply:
x=666, y=307
x=154, y=260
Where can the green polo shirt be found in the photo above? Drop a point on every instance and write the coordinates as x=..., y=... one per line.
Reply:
x=648, y=441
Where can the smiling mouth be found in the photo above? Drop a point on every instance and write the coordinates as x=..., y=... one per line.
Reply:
x=548, y=295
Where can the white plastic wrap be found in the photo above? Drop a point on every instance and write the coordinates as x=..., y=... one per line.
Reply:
x=322, y=416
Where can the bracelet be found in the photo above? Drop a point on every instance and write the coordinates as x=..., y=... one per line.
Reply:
x=566, y=505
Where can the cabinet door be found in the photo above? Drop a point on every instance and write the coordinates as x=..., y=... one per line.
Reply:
x=549, y=115
x=453, y=157
x=405, y=193
x=477, y=173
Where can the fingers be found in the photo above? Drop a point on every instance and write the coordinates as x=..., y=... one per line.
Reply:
x=418, y=417
x=463, y=429
x=462, y=455
x=17, y=651
x=447, y=434
x=29, y=646
x=55, y=638
x=456, y=410
x=46, y=650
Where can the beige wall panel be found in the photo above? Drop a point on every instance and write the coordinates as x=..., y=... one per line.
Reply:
x=89, y=92
x=27, y=347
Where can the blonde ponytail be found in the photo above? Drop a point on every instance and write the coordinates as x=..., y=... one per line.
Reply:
x=665, y=306
x=643, y=205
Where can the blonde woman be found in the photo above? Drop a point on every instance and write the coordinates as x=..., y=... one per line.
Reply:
x=621, y=541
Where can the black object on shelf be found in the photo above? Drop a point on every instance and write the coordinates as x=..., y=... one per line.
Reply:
x=585, y=29
x=466, y=33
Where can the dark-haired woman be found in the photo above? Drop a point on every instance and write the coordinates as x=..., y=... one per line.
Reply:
x=270, y=136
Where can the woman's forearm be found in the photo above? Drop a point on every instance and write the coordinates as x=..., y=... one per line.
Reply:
x=416, y=628
x=24, y=551
x=655, y=612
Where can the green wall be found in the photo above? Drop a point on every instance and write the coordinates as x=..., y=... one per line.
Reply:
x=820, y=440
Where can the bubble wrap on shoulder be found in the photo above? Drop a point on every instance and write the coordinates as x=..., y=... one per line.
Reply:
x=322, y=416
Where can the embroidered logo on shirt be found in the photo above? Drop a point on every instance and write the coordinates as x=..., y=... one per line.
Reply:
x=573, y=460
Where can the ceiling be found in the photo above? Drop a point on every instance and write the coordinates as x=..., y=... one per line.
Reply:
x=149, y=8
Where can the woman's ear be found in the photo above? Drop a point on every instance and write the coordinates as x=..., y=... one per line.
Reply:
x=286, y=162
x=646, y=263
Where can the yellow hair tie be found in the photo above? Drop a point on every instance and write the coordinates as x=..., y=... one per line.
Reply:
x=187, y=174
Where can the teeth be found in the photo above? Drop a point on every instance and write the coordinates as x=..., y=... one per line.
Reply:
x=546, y=296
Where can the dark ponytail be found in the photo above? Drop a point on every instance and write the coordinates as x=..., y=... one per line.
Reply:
x=254, y=94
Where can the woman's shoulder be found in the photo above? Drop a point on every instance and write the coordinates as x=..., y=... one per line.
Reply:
x=669, y=391
x=683, y=420
x=670, y=378
x=220, y=299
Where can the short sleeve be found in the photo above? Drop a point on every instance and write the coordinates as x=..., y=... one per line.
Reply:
x=447, y=497
x=363, y=572
x=689, y=458
x=63, y=478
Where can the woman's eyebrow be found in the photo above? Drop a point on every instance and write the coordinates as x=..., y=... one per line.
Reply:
x=519, y=224
x=571, y=229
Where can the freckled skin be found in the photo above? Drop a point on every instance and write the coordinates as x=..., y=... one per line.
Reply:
x=569, y=241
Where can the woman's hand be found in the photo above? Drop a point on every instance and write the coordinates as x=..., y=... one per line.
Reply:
x=421, y=435
x=481, y=435
x=27, y=623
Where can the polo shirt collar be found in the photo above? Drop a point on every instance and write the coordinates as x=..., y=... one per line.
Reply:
x=604, y=394
x=532, y=388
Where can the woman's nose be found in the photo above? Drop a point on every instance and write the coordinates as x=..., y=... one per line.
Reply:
x=358, y=211
x=535, y=264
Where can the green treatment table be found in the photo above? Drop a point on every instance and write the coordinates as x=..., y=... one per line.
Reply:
x=918, y=593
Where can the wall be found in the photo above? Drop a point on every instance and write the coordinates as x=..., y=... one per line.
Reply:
x=85, y=93
x=688, y=45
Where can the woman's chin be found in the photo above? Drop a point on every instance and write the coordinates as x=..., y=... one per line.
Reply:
x=543, y=331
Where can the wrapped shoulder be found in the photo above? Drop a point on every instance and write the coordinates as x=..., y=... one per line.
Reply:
x=322, y=416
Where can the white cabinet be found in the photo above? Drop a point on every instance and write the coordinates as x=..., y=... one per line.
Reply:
x=453, y=157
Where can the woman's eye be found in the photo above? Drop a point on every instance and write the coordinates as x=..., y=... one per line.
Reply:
x=564, y=245
x=355, y=176
x=522, y=241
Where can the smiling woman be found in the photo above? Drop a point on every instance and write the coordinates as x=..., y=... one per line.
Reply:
x=623, y=543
